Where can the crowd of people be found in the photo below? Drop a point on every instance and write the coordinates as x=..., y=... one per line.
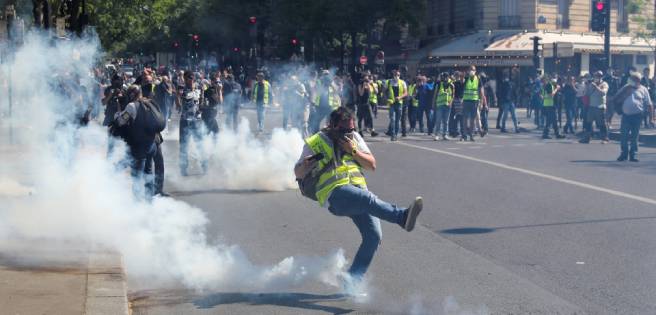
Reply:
x=451, y=105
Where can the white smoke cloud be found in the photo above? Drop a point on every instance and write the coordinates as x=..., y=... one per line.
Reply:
x=238, y=160
x=66, y=190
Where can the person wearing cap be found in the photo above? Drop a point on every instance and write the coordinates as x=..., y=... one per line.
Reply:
x=262, y=96
x=596, y=91
x=634, y=99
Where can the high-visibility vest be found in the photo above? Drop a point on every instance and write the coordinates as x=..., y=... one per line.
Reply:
x=411, y=91
x=373, y=93
x=267, y=87
x=333, y=98
x=547, y=99
x=391, y=98
x=471, y=89
x=444, y=94
x=336, y=173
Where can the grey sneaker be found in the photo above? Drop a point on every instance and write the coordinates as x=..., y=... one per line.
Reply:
x=412, y=214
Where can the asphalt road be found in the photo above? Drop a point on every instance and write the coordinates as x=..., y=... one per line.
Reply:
x=512, y=225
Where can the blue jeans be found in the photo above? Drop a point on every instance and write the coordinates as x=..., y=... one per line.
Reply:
x=629, y=131
x=426, y=111
x=260, y=117
x=441, y=119
x=365, y=209
x=395, y=111
x=190, y=129
x=508, y=107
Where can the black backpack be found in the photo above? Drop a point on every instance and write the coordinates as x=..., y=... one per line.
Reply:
x=154, y=121
x=308, y=184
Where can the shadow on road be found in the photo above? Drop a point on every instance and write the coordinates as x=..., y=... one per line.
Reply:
x=218, y=191
x=484, y=230
x=296, y=300
x=645, y=165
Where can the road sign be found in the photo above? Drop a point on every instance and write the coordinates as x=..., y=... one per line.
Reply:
x=363, y=60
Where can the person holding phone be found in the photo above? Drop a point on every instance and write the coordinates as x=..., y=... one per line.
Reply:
x=340, y=154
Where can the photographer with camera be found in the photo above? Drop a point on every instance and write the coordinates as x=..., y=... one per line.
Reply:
x=330, y=171
x=368, y=98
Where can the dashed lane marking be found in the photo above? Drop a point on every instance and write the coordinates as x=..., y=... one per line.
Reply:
x=537, y=174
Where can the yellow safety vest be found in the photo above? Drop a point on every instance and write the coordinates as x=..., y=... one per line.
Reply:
x=547, y=99
x=471, y=89
x=391, y=99
x=267, y=87
x=411, y=92
x=344, y=172
x=373, y=93
x=444, y=94
x=333, y=99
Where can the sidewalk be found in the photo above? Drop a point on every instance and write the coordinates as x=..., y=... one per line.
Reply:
x=43, y=283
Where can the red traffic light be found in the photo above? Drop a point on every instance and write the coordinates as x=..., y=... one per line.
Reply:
x=176, y=44
x=195, y=37
x=236, y=49
x=294, y=41
x=252, y=20
x=600, y=5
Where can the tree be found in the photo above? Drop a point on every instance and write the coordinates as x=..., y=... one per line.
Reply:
x=645, y=21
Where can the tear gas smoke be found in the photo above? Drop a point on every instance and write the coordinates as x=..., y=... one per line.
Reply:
x=238, y=160
x=80, y=196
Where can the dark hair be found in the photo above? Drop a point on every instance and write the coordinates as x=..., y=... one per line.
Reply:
x=339, y=115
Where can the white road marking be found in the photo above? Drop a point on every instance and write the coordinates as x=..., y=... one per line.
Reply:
x=538, y=174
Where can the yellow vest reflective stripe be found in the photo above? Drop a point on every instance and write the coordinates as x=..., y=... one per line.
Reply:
x=373, y=91
x=344, y=172
x=547, y=99
x=333, y=99
x=411, y=91
x=471, y=89
x=391, y=99
x=267, y=86
x=444, y=94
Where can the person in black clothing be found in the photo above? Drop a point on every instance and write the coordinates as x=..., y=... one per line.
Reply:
x=456, y=118
x=209, y=110
x=131, y=123
x=367, y=94
x=569, y=100
x=506, y=95
x=232, y=97
x=114, y=100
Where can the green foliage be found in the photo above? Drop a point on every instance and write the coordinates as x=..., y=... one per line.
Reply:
x=150, y=25
x=646, y=23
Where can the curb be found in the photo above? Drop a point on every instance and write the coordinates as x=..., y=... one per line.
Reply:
x=106, y=292
x=643, y=139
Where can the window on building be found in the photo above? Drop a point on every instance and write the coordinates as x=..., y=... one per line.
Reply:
x=641, y=59
x=509, y=14
x=562, y=18
x=622, y=17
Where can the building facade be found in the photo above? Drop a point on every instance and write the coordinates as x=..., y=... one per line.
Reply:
x=497, y=33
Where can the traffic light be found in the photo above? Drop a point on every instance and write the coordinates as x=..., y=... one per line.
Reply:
x=599, y=16
x=196, y=37
x=176, y=45
x=236, y=49
x=294, y=41
x=252, y=20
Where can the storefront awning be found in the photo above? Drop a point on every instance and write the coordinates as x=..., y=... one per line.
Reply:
x=519, y=44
